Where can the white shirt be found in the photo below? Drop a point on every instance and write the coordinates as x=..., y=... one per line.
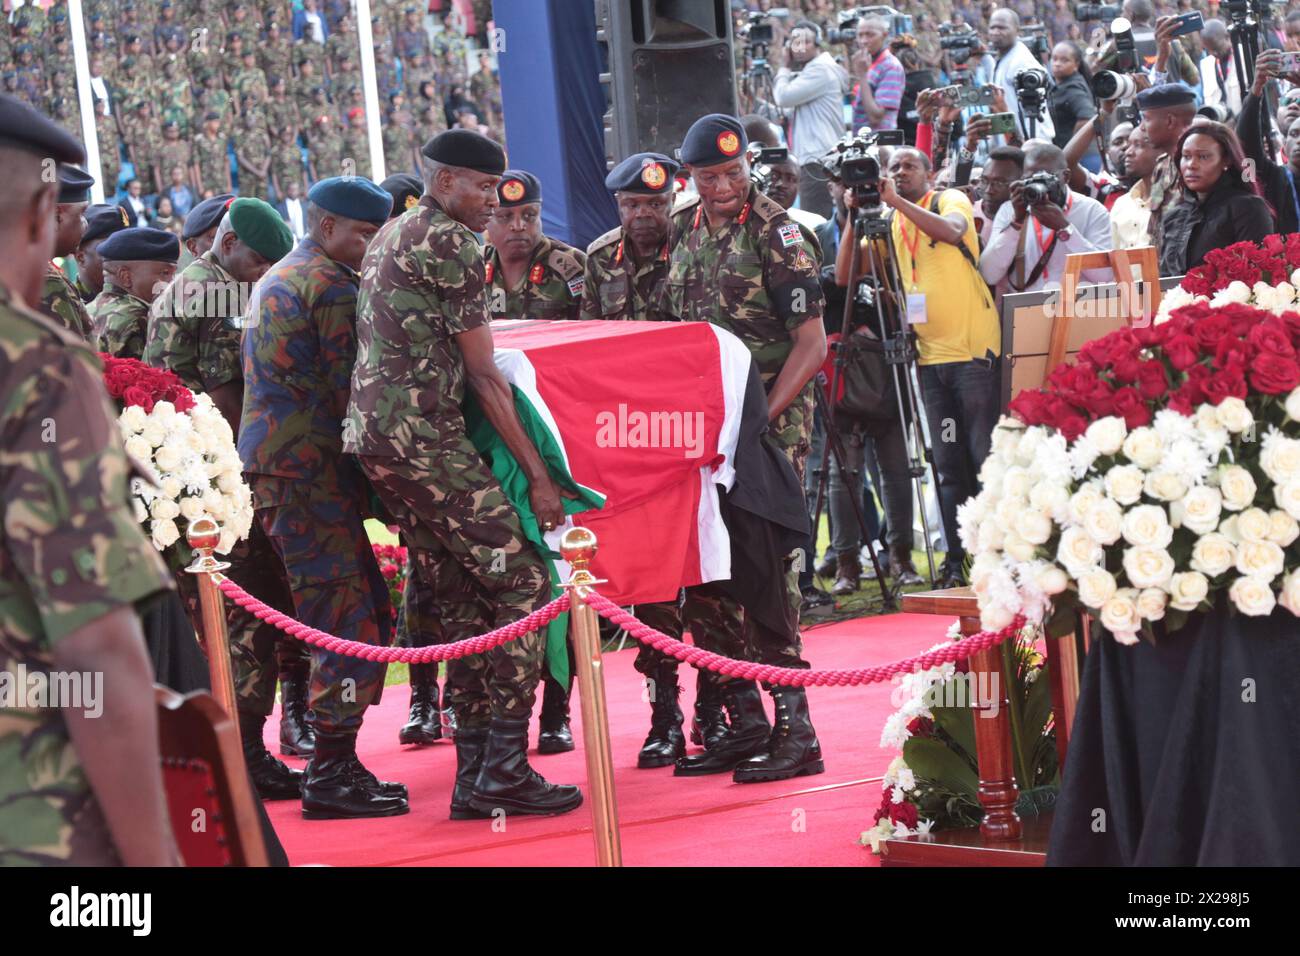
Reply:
x=293, y=208
x=314, y=30
x=1089, y=232
x=1214, y=95
x=1004, y=75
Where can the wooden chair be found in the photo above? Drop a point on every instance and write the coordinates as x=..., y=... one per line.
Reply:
x=213, y=815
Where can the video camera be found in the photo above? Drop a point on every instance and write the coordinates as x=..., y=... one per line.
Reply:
x=1031, y=90
x=761, y=159
x=1104, y=12
x=1043, y=187
x=846, y=24
x=1260, y=10
x=960, y=41
x=1034, y=36
x=855, y=164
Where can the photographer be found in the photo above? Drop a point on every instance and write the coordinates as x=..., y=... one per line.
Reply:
x=1014, y=58
x=1042, y=224
x=1005, y=165
x=1172, y=57
x=812, y=93
x=881, y=78
x=1253, y=129
x=1219, y=84
x=949, y=307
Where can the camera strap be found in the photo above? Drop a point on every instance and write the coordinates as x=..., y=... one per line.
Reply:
x=961, y=247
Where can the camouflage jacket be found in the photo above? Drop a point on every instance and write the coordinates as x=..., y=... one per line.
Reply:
x=194, y=326
x=422, y=283
x=59, y=300
x=1163, y=196
x=71, y=552
x=615, y=285
x=213, y=161
x=551, y=288
x=121, y=320
x=298, y=353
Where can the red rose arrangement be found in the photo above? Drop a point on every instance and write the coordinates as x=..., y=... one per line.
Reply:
x=392, y=565
x=1271, y=261
x=132, y=382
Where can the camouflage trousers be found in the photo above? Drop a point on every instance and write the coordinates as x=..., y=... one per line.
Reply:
x=326, y=562
x=712, y=616
x=792, y=434
x=472, y=559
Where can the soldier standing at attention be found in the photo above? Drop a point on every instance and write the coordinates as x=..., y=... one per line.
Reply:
x=422, y=334
x=102, y=220
x=59, y=300
x=529, y=276
x=298, y=351
x=744, y=265
x=78, y=788
x=138, y=263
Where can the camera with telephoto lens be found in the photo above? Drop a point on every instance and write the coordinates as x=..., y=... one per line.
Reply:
x=846, y=24
x=1042, y=187
x=959, y=40
x=1104, y=12
x=1031, y=90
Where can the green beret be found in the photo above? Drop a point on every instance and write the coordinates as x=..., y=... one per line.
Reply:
x=260, y=227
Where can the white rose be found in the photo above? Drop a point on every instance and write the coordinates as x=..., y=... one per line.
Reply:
x=1293, y=404
x=1148, y=567
x=995, y=617
x=1228, y=528
x=1199, y=510
x=1052, y=580
x=1096, y=587
x=1279, y=456
x=1105, y=521
x=192, y=508
x=1287, y=497
x=1252, y=596
x=171, y=487
x=1078, y=551
x=1260, y=559
x=1124, y=483
x=132, y=419
x=195, y=442
x=1034, y=526
x=154, y=431
x=230, y=481
x=1290, y=598
x=1165, y=485
x=1187, y=590
x=141, y=512
x=1147, y=526
x=1253, y=524
x=1282, y=528
x=992, y=472
x=1237, y=487
x=167, y=458
x=1018, y=547
x=1151, y=604
x=1050, y=498
x=1236, y=292
x=164, y=533
x=1119, y=614
x=1233, y=415
x=164, y=509
x=1008, y=511
x=137, y=447
x=1083, y=500
x=1213, y=554
x=1144, y=447
x=1107, y=434
x=991, y=535
x=1016, y=482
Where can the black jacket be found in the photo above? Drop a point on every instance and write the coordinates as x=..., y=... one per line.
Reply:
x=1191, y=228
x=1252, y=129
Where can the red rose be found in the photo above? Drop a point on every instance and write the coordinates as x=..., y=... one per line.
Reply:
x=1130, y=406
x=1225, y=384
x=1030, y=406
x=1182, y=352
x=135, y=395
x=1274, y=374
x=1271, y=337
x=1209, y=331
x=1152, y=382
x=904, y=813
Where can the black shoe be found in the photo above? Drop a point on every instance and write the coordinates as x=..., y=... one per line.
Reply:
x=746, y=737
x=666, y=742
x=812, y=598
x=709, y=725
x=336, y=785
x=470, y=743
x=271, y=778
x=423, y=725
x=297, y=739
x=793, y=750
x=952, y=574
x=506, y=782
x=554, y=736
x=826, y=567
x=905, y=573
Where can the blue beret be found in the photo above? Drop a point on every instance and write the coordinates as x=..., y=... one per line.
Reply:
x=1166, y=94
x=713, y=139
x=74, y=184
x=467, y=149
x=354, y=197
x=141, y=244
x=648, y=173
x=206, y=215
x=103, y=219
x=406, y=190
x=25, y=128
x=518, y=188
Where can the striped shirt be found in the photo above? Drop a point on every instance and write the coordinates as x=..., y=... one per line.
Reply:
x=886, y=78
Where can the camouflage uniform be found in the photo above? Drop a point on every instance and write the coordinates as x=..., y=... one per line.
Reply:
x=281, y=113
x=72, y=552
x=145, y=140
x=174, y=153
x=422, y=282
x=121, y=320
x=213, y=160
x=356, y=147
x=551, y=289
x=286, y=166
x=326, y=148
x=615, y=286
x=398, y=147
x=297, y=356
x=1162, y=196
x=254, y=145
x=110, y=151
x=59, y=301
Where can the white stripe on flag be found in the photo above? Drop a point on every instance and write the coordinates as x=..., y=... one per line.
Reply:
x=733, y=367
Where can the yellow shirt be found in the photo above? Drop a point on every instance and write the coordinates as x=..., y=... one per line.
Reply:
x=961, y=323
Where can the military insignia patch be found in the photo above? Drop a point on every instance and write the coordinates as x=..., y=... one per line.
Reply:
x=576, y=285
x=535, y=275
x=790, y=234
x=803, y=260
x=125, y=220
x=412, y=201
x=728, y=143
x=512, y=190
x=488, y=276
x=653, y=175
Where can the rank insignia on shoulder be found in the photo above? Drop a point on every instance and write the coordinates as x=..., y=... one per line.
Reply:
x=487, y=274
x=536, y=273
x=790, y=234
x=576, y=285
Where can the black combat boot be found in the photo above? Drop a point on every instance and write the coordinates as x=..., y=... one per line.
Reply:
x=337, y=786
x=297, y=739
x=793, y=750
x=709, y=725
x=666, y=742
x=424, y=725
x=506, y=782
x=553, y=735
x=271, y=778
x=746, y=737
x=470, y=743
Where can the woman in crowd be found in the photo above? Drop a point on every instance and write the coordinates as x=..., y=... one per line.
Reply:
x=1220, y=203
x=1070, y=100
x=919, y=77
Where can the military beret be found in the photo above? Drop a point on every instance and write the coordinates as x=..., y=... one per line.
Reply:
x=205, y=215
x=25, y=128
x=406, y=190
x=354, y=197
x=209, y=116
x=713, y=139
x=1166, y=94
x=141, y=244
x=103, y=219
x=74, y=184
x=260, y=227
x=518, y=188
x=648, y=173
x=467, y=149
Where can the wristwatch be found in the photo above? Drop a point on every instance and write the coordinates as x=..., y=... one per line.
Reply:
x=1065, y=234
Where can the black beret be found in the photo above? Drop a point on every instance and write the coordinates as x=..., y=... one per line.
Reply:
x=141, y=244
x=648, y=173
x=518, y=188
x=467, y=149
x=74, y=184
x=713, y=139
x=103, y=219
x=354, y=197
x=22, y=127
x=406, y=190
x=205, y=215
x=1166, y=94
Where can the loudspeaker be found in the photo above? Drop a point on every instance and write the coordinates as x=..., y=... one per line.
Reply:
x=669, y=62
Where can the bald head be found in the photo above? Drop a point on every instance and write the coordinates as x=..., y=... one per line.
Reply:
x=1004, y=29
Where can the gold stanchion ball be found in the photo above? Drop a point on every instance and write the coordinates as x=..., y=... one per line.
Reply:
x=203, y=534
x=578, y=545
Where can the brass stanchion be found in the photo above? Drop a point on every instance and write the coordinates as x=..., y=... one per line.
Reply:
x=578, y=547
x=203, y=536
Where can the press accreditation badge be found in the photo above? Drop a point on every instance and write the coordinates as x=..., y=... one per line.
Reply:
x=916, y=309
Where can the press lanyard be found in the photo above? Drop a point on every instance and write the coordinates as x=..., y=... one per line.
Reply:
x=915, y=241
x=1038, y=227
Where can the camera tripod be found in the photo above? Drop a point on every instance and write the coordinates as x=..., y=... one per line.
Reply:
x=1247, y=23
x=757, y=83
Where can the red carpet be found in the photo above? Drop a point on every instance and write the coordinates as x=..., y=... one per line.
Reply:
x=666, y=820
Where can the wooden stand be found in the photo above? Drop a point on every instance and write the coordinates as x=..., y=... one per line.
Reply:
x=1121, y=262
